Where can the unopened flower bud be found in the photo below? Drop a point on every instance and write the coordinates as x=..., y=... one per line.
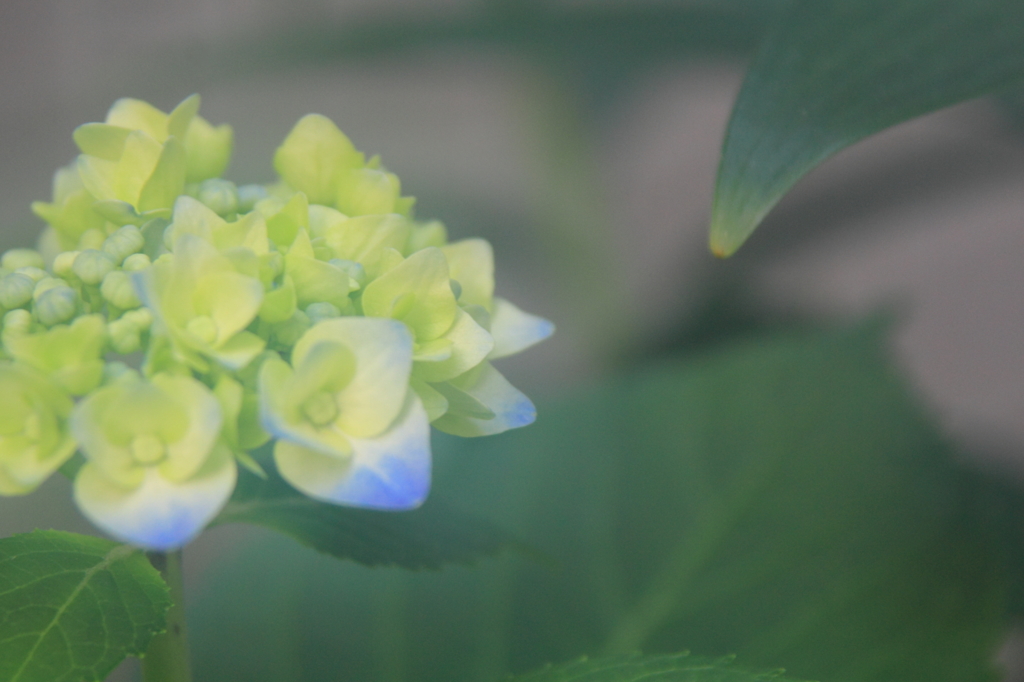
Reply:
x=45, y=284
x=33, y=273
x=221, y=196
x=92, y=266
x=136, y=262
x=142, y=318
x=22, y=258
x=62, y=264
x=124, y=336
x=56, y=305
x=118, y=290
x=123, y=243
x=17, y=322
x=15, y=290
x=248, y=195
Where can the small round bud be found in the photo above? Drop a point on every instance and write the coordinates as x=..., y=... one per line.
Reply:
x=18, y=322
x=62, y=264
x=16, y=290
x=140, y=317
x=124, y=336
x=136, y=262
x=318, y=312
x=92, y=266
x=220, y=196
x=45, y=284
x=33, y=273
x=248, y=195
x=123, y=243
x=56, y=305
x=22, y=258
x=118, y=290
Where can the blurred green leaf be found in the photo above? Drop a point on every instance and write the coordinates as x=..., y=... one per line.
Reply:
x=782, y=499
x=428, y=537
x=73, y=606
x=637, y=668
x=832, y=72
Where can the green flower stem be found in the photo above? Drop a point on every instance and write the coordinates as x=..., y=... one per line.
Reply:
x=167, y=659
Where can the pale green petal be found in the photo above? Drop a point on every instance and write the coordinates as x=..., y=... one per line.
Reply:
x=138, y=115
x=390, y=471
x=417, y=292
x=316, y=281
x=86, y=424
x=135, y=167
x=470, y=344
x=166, y=181
x=192, y=217
x=239, y=350
x=98, y=176
x=462, y=404
x=434, y=403
x=248, y=232
x=511, y=408
x=433, y=351
x=323, y=218
x=231, y=299
x=285, y=422
x=313, y=155
x=102, y=140
x=157, y=514
x=363, y=239
x=187, y=454
x=279, y=304
x=10, y=486
x=471, y=264
x=285, y=218
x=383, y=352
x=207, y=149
x=181, y=116
x=515, y=331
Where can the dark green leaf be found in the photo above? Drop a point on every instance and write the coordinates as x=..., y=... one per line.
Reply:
x=73, y=606
x=782, y=499
x=637, y=668
x=832, y=72
x=428, y=537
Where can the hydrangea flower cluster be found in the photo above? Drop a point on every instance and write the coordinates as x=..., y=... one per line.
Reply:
x=171, y=322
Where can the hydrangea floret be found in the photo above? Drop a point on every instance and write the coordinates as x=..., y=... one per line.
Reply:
x=171, y=323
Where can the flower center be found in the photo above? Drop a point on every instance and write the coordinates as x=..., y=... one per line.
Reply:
x=203, y=328
x=320, y=408
x=147, y=449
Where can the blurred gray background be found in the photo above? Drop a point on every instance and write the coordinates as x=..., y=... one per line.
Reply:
x=596, y=198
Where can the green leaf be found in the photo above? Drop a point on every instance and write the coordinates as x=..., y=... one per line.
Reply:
x=428, y=537
x=832, y=72
x=73, y=606
x=637, y=668
x=781, y=498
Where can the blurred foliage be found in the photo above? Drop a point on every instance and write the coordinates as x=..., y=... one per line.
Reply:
x=428, y=537
x=73, y=606
x=636, y=668
x=780, y=498
x=831, y=73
